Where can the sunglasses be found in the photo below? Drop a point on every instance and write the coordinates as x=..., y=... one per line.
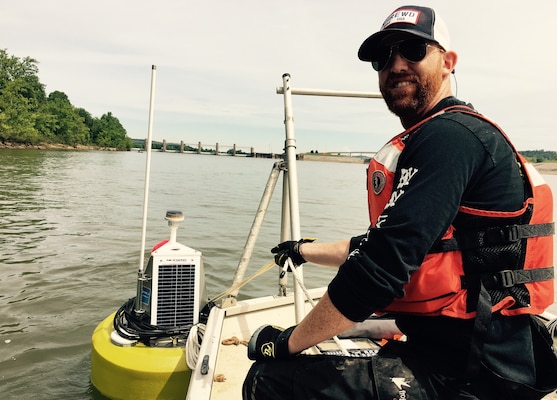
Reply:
x=412, y=50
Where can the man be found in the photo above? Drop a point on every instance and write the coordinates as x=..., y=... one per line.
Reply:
x=459, y=251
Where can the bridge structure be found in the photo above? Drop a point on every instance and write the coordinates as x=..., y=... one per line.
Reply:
x=208, y=149
x=246, y=151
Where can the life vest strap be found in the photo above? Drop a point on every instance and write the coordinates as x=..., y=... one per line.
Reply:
x=507, y=278
x=493, y=236
x=482, y=321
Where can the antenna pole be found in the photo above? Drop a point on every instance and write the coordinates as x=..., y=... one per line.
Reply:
x=140, y=271
x=291, y=177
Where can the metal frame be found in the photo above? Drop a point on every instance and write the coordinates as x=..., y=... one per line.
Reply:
x=290, y=214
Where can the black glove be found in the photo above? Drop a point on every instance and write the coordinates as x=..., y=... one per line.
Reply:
x=269, y=343
x=290, y=249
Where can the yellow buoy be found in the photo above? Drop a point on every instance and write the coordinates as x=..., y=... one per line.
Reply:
x=136, y=372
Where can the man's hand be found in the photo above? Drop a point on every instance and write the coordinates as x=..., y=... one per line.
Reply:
x=290, y=249
x=269, y=343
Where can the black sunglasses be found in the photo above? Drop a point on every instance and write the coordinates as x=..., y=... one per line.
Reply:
x=412, y=50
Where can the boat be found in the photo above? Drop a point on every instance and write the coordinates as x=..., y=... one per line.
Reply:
x=172, y=341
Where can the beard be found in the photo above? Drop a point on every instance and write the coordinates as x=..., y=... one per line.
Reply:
x=412, y=103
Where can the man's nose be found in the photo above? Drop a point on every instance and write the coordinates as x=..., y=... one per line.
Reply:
x=397, y=62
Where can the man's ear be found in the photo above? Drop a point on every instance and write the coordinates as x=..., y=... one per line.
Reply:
x=450, y=59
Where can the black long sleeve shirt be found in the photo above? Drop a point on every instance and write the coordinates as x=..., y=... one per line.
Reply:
x=455, y=166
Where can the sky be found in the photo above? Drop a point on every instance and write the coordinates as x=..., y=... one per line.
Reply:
x=218, y=64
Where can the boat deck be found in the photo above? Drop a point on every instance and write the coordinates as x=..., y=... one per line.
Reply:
x=233, y=364
x=228, y=363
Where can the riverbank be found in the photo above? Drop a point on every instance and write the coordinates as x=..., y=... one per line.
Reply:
x=549, y=168
x=51, y=146
x=331, y=158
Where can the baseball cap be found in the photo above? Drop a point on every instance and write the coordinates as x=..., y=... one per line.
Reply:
x=419, y=21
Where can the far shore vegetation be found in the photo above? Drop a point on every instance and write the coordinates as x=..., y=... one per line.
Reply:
x=29, y=117
x=539, y=156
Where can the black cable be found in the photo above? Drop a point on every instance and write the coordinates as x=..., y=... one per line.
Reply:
x=133, y=326
x=453, y=72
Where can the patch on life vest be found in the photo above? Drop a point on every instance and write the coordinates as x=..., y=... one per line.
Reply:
x=378, y=181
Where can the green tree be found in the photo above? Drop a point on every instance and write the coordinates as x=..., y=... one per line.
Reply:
x=27, y=115
x=109, y=132
x=88, y=119
x=13, y=69
x=70, y=127
x=539, y=155
x=21, y=95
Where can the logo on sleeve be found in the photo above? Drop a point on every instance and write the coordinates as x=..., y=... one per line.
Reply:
x=378, y=181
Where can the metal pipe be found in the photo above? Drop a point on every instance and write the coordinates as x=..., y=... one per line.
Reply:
x=290, y=153
x=254, y=231
x=284, y=227
x=332, y=93
x=140, y=271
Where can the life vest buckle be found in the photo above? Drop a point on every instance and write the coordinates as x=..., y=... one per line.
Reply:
x=505, y=278
x=513, y=234
x=503, y=235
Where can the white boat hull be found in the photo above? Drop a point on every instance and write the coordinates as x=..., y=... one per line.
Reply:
x=230, y=362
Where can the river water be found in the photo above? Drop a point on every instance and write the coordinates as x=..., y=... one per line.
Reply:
x=70, y=232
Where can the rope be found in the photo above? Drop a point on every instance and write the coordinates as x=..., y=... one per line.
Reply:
x=193, y=345
x=195, y=337
x=257, y=273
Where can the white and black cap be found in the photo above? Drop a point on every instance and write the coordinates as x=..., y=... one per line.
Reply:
x=418, y=21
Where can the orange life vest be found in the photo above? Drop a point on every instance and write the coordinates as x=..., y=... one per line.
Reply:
x=439, y=286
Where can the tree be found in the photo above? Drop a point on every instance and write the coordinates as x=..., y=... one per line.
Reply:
x=88, y=119
x=27, y=115
x=21, y=94
x=539, y=155
x=70, y=127
x=109, y=132
x=17, y=119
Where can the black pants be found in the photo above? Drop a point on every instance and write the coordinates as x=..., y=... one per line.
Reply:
x=382, y=377
x=332, y=377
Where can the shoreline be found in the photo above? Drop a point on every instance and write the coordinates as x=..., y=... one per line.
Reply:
x=52, y=146
x=330, y=158
x=548, y=167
